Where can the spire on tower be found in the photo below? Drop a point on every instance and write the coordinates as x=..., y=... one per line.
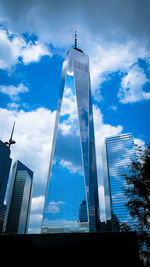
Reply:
x=11, y=141
x=75, y=41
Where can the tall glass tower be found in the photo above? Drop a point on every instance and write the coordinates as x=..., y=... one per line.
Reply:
x=71, y=202
x=117, y=155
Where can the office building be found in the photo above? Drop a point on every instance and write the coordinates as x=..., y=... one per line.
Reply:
x=19, y=201
x=117, y=155
x=5, y=164
x=71, y=202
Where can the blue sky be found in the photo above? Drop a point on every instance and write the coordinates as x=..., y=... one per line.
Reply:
x=34, y=39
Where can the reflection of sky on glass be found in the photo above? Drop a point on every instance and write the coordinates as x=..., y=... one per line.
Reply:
x=66, y=191
x=120, y=151
x=72, y=192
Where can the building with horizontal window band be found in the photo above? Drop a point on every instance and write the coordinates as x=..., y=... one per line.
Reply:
x=117, y=156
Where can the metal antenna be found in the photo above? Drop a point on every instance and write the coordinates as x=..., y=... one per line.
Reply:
x=11, y=141
x=75, y=41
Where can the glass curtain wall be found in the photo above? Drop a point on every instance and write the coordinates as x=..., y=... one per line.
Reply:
x=117, y=155
x=67, y=196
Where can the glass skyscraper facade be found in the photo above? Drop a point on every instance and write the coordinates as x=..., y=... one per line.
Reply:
x=5, y=164
x=71, y=202
x=117, y=155
x=19, y=201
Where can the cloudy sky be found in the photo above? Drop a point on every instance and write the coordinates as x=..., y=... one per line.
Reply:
x=35, y=36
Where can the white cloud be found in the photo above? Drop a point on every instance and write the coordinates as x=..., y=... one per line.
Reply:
x=33, y=135
x=69, y=105
x=33, y=53
x=113, y=57
x=71, y=167
x=13, y=91
x=132, y=86
x=13, y=105
x=37, y=203
x=101, y=132
x=69, y=108
x=8, y=56
x=55, y=206
x=14, y=46
x=108, y=58
x=65, y=128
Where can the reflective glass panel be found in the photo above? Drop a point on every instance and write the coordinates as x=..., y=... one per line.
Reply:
x=72, y=192
x=118, y=153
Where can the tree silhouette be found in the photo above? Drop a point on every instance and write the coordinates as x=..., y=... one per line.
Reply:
x=138, y=194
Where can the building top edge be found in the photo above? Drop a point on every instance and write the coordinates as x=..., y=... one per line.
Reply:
x=4, y=145
x=23, y=167
x=118, y=136
x=76, y=49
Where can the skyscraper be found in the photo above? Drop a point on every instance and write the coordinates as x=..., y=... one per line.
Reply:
x=5, y=164
x=117, y=155
x=19, y=201
x=72, y=179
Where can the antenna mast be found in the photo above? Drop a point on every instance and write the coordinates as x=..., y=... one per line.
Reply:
x=75, y=41
x=11, y=141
